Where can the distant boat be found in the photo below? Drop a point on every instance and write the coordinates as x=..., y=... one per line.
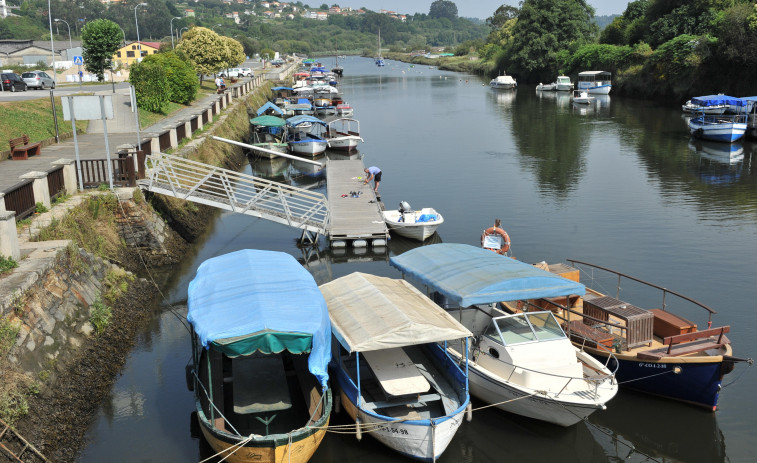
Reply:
x=503, y=82
x=582, y=97
x=379, y=58
x=547, y=87
x=599, y=82
x=259, y=370
x=563, y=84
x=344, y=109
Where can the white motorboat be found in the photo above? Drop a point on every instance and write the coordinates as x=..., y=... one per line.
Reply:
x=546, y=87
x=563, y=84
x=598, y=82
x=522, y=363
x=418, y=225
x=582, y=97
x=343, y=134
x=395, y=380
x=503, y=81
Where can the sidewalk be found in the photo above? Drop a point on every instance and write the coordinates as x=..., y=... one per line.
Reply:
x=121, y=130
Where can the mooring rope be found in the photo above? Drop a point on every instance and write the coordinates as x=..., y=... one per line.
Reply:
x=647, y=377
x=236, y=447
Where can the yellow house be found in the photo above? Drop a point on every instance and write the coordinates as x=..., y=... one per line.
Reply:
x=127, y=55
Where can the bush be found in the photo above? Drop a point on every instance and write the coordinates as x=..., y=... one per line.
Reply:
x=7, y=264
x=151, y=85
x=182, y=78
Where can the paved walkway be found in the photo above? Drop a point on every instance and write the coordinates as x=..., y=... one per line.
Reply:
x=121, y=130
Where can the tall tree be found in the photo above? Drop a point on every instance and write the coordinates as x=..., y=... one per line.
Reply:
x=545, y=27
x=100, y=40
x=443, y=9
x=205, y=50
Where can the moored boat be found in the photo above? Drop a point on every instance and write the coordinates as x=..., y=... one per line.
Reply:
x=344, y=110
x=522, y=363
x=598, y=82
x=582, y=97
x=395, y=379
x=503, y=82
x=268, y=132
x=305, y=135
x=546, y=87
x=724, y=127
x=343, y=134
x=563, y=84
x=656, y=351
x=418, y=225
x=260, y=353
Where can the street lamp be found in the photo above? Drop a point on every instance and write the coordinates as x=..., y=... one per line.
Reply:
x=52, y=48
x=124, y=33
x=181, y=34
x=177, y=17
x=136, y=22
x=70, y=45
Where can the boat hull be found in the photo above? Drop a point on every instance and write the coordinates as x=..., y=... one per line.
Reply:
x=308, y=148
x=695, y=381
x=597, y=89
x=271, y=449
x=419, y=231
x=707, y=128
x=415, y=439
x=347, y=143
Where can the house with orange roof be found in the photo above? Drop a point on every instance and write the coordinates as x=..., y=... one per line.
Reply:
x=129, y=53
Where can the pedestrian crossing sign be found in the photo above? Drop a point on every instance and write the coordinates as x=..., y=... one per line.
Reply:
x=78, y=61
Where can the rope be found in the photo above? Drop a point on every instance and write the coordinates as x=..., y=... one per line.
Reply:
x=647, y=377
x=511, y=400
x=236, y=447
x=749, y=364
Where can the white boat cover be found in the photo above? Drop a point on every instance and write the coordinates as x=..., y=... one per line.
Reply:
x=370, y=312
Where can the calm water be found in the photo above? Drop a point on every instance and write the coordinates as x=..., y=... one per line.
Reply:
x=619, y=184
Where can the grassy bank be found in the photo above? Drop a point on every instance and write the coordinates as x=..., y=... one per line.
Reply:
x=469, y=64
x=33, y=118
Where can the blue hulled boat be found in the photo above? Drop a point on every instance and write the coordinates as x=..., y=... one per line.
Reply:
x=723, y=127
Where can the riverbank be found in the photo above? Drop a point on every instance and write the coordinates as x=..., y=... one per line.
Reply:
x=71, y=320
x=469, y=64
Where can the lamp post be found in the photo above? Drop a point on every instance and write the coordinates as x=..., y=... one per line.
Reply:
x=180, y=34
x=52, y=48
x=136, y=23
x=171, y=23
x=70, y=44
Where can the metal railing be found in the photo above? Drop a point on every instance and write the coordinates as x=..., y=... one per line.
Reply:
x=55, y=182
x=237, y=192
x=20, y=199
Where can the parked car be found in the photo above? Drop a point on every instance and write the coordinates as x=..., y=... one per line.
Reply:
x=247, y=72
x=237, y=72
x=38, y=79
x=12, y=81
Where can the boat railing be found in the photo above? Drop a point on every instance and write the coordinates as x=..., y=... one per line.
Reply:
x=620, y=276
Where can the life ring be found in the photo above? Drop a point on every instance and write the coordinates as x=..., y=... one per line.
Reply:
x=503, y=234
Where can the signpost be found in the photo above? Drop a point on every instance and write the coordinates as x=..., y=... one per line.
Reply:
x=79, y=61
x=89, y=107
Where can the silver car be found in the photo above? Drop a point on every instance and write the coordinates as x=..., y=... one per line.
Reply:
x=38, y=79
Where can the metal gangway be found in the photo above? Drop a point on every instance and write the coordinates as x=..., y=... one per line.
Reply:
x=241, y=193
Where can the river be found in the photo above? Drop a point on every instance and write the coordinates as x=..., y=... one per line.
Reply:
x=619, y=184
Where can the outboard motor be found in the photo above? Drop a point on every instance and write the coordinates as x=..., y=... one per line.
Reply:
x=405, y=207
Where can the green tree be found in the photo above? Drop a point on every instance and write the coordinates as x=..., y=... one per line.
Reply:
x=543, y=28
x=100, y=40
x=151, y=85
x=234, y=52
x=206, y=51
x=180, y=75
x=443, y=9
x=503, y=14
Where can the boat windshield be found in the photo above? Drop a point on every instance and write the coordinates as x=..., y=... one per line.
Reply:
x=523, y=328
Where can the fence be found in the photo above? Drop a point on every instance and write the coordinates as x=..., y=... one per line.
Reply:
x=56, y=183
x=20, y=198
x=95, y=172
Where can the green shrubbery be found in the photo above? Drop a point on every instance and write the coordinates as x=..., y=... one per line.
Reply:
x=161, y=78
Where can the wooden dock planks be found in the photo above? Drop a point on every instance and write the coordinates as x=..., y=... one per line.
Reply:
x=352, y=218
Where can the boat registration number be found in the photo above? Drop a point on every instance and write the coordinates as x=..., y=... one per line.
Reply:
x=653, y=365
x=393, y=430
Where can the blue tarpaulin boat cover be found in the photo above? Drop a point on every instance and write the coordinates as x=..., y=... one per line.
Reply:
x=276, y=89
x=272, y=107
x=297, y=120
x=252, y=300
x=715, y=100
x=467, y=275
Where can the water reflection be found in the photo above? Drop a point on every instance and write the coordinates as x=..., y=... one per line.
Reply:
x=643, y=421
x=503, y=97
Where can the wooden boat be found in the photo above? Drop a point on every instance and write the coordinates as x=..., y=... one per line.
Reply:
x=503, y=82
x=656, y=351
x=599, y=82
x=523, y=362
x=343, y=134
x=582, y=97
x=260, y=353
x=418, y=225
x=305, y=135
x=394, y=377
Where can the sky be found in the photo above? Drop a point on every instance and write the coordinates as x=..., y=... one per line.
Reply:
x=466, y=8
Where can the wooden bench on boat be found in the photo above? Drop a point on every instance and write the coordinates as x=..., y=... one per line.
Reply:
x=21, y=149
x=668, y=324
x=689, y=343
x=396, y=373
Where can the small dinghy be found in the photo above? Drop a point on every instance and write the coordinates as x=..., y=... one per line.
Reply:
x=418, y=225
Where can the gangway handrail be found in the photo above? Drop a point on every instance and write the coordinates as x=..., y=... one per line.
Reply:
x=238, y=192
